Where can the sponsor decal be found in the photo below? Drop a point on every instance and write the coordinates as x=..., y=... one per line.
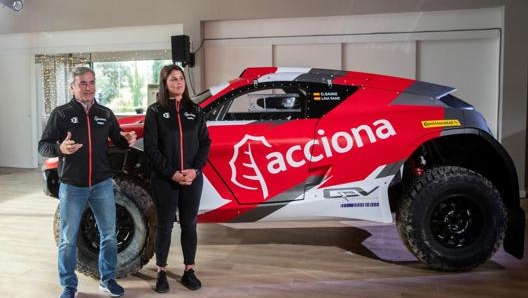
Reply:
x=253, y=170
x=440, y=123
x=360, y=205
x=329, y=95
x=347, y=193
x=99, y=120
x=351, y=193
x=247, y=174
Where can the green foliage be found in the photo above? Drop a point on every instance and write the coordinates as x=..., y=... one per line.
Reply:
x=110, y=79
x=123, y=85
x=156, y=68
x=136, y=86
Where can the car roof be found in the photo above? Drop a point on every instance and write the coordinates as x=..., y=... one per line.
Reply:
x=353, y=78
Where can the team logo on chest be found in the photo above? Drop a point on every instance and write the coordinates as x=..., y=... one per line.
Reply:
x=99, y=120
x=189, y=116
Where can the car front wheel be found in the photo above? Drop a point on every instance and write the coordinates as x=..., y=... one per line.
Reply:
x=452, y=218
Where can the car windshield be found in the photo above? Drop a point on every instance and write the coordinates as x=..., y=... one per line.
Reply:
x=202, y=96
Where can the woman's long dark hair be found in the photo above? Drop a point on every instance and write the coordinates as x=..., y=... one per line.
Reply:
x=163, y=92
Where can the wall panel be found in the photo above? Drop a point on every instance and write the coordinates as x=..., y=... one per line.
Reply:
x=226, y=61
x=470, y=65
x=396, y=58
x=464, y=54
x=312, y=55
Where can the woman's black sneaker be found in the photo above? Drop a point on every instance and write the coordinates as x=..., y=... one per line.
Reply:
x=162, y=285
x=190, y=281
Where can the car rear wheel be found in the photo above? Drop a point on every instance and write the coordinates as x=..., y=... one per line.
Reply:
x=135, y=228
x=452, y=218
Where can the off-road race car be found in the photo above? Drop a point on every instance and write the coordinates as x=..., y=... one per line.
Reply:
x=319, y=144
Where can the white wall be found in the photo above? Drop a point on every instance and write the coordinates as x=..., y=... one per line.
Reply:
x=460, y=49
x=358, y=42
x=17, y=112
x=472, y=65
x=20, y=130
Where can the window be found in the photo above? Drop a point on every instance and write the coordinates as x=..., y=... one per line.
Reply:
x=126, y=81
x=124, y=86
x=277, y=101
x=267, y=105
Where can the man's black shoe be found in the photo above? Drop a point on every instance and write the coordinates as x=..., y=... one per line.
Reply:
x=190, y=281
x=162, y=285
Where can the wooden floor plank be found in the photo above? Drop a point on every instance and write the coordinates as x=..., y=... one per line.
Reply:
x=330, y=259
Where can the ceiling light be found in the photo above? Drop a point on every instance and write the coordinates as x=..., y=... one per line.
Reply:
x=14, y=5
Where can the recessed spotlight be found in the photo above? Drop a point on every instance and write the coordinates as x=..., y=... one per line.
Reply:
x=15, y=5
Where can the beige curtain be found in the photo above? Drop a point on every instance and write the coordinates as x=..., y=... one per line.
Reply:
x=55, y=78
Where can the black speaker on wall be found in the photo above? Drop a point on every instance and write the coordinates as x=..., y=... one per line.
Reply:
x=181, y=50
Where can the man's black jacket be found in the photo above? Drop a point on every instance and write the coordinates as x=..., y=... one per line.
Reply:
x=90, y=164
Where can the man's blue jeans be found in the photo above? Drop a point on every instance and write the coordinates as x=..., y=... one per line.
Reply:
x=73, y=200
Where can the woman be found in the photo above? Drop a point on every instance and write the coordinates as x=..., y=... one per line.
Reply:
x=176, y=147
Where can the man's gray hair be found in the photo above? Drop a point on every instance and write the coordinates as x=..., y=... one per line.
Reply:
x=79, y=71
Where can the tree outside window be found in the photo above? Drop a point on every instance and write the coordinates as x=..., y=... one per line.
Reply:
x=123, y=85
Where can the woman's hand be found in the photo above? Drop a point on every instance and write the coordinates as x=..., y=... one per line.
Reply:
x=184, y=177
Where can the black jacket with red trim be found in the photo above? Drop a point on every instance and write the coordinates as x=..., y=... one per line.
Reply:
x=90, y=164
x=169, y=147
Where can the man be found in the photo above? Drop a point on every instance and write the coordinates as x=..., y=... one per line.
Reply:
x=77, y=132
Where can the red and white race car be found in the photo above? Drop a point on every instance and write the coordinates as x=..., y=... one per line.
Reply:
x=319, y=144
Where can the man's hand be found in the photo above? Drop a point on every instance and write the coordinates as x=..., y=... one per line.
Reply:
x=68, y=146
x=130, y=136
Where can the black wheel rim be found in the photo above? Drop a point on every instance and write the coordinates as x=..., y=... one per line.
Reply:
x=457, y=222
x=89, y=233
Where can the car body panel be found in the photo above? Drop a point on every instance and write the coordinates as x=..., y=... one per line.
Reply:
x=327, y=167
x=311, y=144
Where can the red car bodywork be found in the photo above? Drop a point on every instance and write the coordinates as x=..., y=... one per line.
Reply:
x=305, y=144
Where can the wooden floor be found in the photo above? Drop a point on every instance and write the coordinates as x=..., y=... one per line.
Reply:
x=320, y=260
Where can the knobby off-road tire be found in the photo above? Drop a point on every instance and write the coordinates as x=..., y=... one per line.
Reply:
x=136, y=222
x=452, y=219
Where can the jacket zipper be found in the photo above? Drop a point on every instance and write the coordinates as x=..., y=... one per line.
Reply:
x=89, y=149
x=180, y=133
